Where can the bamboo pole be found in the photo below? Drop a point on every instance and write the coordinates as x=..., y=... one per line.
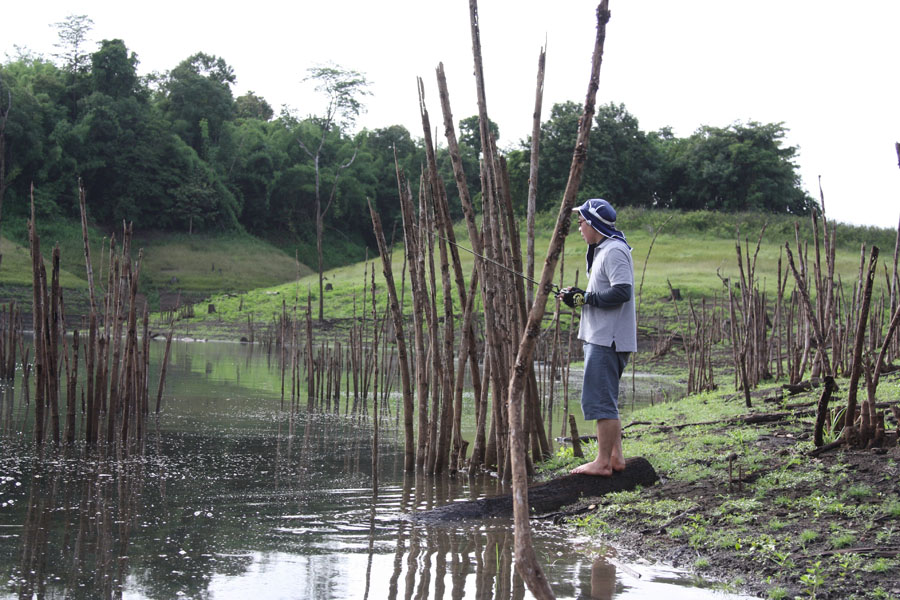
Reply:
x=38, y=308
x=165, y=364
x=856, y=366
x=526, y=561
x=533, y=171
x=412, y=259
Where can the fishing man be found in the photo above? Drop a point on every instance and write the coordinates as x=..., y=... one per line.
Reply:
x=608, y=329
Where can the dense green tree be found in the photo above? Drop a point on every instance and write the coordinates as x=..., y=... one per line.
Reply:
x=251, y=106
x=470, y=133
x=622, y=162
x=558, y=135
x=740, y=167
x=186, y=156
x=5, y=107
x=469, y=141
x=248, y=160
x=382, y=143
x=624, y=165
x=735, y=168
x=198, y=90
x=114, y=70
x=35, y=91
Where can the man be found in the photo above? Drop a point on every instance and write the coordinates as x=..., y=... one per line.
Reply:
x=608, y=329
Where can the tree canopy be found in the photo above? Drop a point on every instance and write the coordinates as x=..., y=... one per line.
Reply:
x=178, y=151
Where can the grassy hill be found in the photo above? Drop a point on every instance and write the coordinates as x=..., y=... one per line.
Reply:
x=195, y=265
x=243, y=275
x=692, y=251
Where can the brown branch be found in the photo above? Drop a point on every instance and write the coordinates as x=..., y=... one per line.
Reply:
x=856, y=365
x=526, y=561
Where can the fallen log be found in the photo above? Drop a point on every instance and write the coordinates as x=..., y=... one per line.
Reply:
x=547, y=496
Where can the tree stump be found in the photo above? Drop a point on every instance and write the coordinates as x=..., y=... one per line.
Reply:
x=548, y=496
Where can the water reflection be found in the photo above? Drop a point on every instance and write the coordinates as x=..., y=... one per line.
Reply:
x=76, y=530
x=235, y=497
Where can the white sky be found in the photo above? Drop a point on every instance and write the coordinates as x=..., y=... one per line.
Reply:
x=827, y=69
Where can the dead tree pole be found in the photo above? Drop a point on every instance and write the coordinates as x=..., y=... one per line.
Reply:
x=856, y=366
x=409, y=456
x=533, y=171
x=526, y=561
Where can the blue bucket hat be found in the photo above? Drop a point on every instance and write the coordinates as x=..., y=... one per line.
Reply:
x=602, y=217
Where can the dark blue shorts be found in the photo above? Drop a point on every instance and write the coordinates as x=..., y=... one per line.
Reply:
x=603, y=367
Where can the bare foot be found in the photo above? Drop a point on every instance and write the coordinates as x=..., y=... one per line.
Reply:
x=593, y=468
x=618, y=464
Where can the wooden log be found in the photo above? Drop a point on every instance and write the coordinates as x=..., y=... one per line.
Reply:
x=822, y=410
x=548, y=496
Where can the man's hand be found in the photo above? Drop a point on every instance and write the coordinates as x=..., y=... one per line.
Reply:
x=573, y=297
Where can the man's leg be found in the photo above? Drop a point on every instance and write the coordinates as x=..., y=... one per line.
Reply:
x=609, y=450
x=603, y=367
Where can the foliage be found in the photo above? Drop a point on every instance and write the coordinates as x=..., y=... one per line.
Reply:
x=73, y=32
x=343, y=90
x=177, y=151
x=734, y=168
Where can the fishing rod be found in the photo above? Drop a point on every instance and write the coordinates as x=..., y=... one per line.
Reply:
x=551, y=287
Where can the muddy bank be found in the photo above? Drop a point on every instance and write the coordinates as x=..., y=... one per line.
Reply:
x=745, y=504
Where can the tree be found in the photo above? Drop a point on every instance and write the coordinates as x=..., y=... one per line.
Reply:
x=199, y=89
x=5, y=107
x=248, y=161
x=36, y=137
x=342, y=89
x=470, y=135
x=622, y=162
x=114, y=70
x=251, y=106
x=382, y=143
x=74, y=58
x=73, y=34
x=736, y=168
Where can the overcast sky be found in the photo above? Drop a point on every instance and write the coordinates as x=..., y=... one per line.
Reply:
x=826, y=69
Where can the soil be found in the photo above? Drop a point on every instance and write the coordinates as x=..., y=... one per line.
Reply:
x=759, y=540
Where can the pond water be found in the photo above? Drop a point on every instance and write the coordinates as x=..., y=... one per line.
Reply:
x=234, y=497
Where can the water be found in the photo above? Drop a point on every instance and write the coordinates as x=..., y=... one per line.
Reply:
x=233, y=499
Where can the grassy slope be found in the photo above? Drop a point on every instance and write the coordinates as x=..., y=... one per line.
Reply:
x=198, y=264
x=691, y=251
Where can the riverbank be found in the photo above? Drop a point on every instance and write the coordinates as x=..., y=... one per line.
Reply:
x=743, y=503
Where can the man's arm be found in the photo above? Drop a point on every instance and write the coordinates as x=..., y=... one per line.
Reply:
x=615, y=296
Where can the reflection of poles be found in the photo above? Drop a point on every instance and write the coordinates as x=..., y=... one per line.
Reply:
x=603, y=579
x=374, y=392
x=405, y=506
x=371, y=548
x=96, y=549
x=34, y=541
x=7, y=406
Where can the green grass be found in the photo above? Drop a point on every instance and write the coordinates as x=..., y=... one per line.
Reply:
x=692, y=252
x=228, y=263
x=16, y=266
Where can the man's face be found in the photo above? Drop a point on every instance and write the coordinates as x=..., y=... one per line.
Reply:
x=588, y=233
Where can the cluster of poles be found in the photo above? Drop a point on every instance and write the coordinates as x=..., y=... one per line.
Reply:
x=817, y=331
x=114, y=399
